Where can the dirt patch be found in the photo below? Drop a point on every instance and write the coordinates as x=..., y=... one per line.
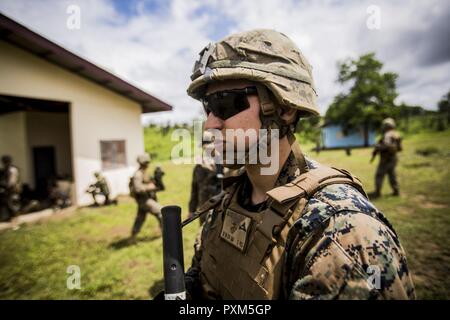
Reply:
x=144, y=265
x=423, y=202
x=433, y=205
x=420, y=279
x=403, y=210
x=417, y=165
x=119, y=231
x=427, y=151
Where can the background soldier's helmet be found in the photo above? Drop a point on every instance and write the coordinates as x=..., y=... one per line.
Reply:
x=264, y=56
x=6, y=159
x=97, y=174
x=388, y=123
x=143, y=159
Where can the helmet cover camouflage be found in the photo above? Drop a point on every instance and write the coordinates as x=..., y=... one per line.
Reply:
x=143, y=159
x=388, y=123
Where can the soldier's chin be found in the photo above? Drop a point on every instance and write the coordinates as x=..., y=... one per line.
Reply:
x=233, y=166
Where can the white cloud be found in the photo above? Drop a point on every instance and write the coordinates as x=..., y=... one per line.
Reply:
x=156, y=49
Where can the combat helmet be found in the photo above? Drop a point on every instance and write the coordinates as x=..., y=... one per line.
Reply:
x=266, y=57
x=6, y=159
x=270, y=59
x=388, y=123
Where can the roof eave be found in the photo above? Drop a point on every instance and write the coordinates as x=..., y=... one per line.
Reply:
x=34, y=43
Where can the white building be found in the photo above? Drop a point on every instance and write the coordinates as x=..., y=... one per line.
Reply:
x=61, y=115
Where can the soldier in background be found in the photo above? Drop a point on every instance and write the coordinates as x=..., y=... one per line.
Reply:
x=10, y=189
x=143, y=189
x=100, y=187
x=387, y=148
x=206, y=179
x=61, y=192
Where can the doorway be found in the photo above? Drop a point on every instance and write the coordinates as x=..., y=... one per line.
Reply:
x=44, y=162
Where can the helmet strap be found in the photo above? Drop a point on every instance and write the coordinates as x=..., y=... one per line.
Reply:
x=269, y=116
x=297, y=151
x=270, y=119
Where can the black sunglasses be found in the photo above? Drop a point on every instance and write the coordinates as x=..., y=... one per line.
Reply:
x=225, y=104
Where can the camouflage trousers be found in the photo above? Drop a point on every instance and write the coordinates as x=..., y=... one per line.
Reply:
x=386, y=167
x=145, y=207
x=104, y=194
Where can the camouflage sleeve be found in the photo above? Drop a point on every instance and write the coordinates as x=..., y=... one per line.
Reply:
x=355, y=257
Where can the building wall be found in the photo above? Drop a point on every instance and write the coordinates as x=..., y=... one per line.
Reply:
x=333, y=137
x=21, y=131
x=96, y=113
x=13, y=141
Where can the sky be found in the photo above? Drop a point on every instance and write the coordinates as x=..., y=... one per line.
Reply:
x=154, y=44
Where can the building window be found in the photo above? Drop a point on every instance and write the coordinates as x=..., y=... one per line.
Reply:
x=113, y=154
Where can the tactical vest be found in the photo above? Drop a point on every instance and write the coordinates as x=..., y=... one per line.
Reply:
x=245, y=253
x=141, y=197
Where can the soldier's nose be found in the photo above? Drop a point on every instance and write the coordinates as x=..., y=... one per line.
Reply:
x=213, y=122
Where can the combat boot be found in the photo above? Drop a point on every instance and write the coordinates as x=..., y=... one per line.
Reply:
x=374, y=194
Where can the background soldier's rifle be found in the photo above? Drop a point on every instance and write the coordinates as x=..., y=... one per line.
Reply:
x=158, y=178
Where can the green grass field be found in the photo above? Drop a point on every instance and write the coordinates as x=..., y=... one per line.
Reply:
x=34, y=259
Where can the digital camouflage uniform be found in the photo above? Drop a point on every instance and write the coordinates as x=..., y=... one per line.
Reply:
x=316, y=236
x=146, y=199
x=388, y=147
x=333, y=249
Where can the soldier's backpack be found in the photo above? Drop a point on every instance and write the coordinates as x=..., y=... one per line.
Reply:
x=131, y=188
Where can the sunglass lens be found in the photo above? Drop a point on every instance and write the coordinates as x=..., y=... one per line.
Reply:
x=224, y=105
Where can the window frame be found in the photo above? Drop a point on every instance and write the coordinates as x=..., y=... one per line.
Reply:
x=113, y=154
